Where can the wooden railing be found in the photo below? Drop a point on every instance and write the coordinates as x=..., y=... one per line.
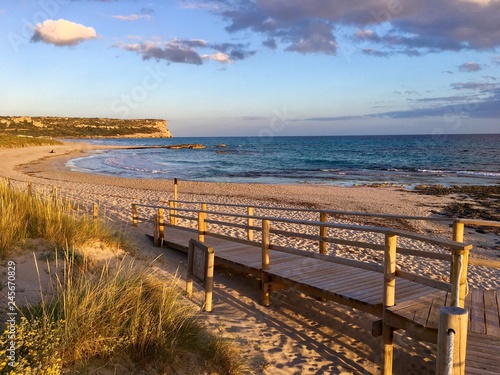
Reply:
x=457, y=234
x=457, y=253
x=454, y=250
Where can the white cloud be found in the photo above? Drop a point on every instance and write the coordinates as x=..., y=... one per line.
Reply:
x=132, y=17
x=218, y=56
x=62, y=33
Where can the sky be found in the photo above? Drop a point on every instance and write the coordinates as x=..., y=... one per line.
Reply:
x=257, y=68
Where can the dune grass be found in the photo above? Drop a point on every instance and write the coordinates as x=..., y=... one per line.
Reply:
x=118, y=316
x=25, y=216
x=12, y=141
x=121, y=314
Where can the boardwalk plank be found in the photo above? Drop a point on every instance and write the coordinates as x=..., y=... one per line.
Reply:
x=477, y=312
x=482, y=354
x=359, y=283
x=492, y=322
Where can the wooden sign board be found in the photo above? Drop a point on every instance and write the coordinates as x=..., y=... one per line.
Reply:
x=201, y=269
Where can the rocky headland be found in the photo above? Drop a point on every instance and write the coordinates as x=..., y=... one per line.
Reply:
x=80, y=127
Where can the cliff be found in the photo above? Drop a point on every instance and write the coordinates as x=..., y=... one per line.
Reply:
x=75, y=127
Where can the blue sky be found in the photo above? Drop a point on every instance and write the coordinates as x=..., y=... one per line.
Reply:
x=264, y=67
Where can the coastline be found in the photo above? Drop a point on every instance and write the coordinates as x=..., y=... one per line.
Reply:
x=297, y=334
x=116, y=195
x=389, y=200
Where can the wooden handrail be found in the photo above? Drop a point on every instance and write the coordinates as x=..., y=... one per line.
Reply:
x=483, y=223
x=449, y=244
x=330, y=212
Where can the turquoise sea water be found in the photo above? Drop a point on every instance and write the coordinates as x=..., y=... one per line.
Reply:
x=346, y=160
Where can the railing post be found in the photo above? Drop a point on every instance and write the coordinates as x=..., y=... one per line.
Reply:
x=95, y=212
x=134, y=215
x=54, y=193
x=389, y=300
x=209, y=282
x=161, y=226
x=458, y=231
x=171, y=213
x=452, y=341
x=202, y=225
x=458, y=236
x=176, y=197
x=250, y=223
x=156, y=231
x=189, y=278
x=30, y=188
x=323, y=232
x=460, y=262
x=266, y=230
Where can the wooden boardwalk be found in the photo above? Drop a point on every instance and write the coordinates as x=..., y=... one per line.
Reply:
x=416, y=308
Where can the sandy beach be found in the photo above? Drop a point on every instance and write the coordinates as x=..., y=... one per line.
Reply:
x=296, y=334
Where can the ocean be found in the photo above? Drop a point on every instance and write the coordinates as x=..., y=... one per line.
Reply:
x=336, y=160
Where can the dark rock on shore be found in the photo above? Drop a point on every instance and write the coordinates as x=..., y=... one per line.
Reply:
x=474, y=202
x=186, y=145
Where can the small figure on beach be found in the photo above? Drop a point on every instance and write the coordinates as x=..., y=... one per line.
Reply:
x=51, y=151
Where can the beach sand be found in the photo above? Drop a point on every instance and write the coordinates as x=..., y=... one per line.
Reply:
x=296, y=334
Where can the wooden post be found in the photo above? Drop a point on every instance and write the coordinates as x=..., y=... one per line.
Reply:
x=202, y=225
x=452, y=341
x=9, y=185
x=156, y=231
x=176, y=197
x=323, y=232
x=189, y=278
x=458, y=231
x=389, y=300
x=200, y=268
x=134, y=215
x=95, y=212
x=171, y=214
x=54, y=193
x=161, y=225
x=458, y=236
x=250, y=223
x=266, y=230
x=209, y=282
x=460, y=262
x=30, y=188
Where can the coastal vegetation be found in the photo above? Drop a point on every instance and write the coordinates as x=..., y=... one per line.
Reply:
x=12, y=141
x=76, y=127
x=26, y=217
x=116, y=315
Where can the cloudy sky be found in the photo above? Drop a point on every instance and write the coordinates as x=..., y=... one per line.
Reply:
x=261, y=67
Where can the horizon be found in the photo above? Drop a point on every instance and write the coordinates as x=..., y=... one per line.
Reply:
x=228, y=68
